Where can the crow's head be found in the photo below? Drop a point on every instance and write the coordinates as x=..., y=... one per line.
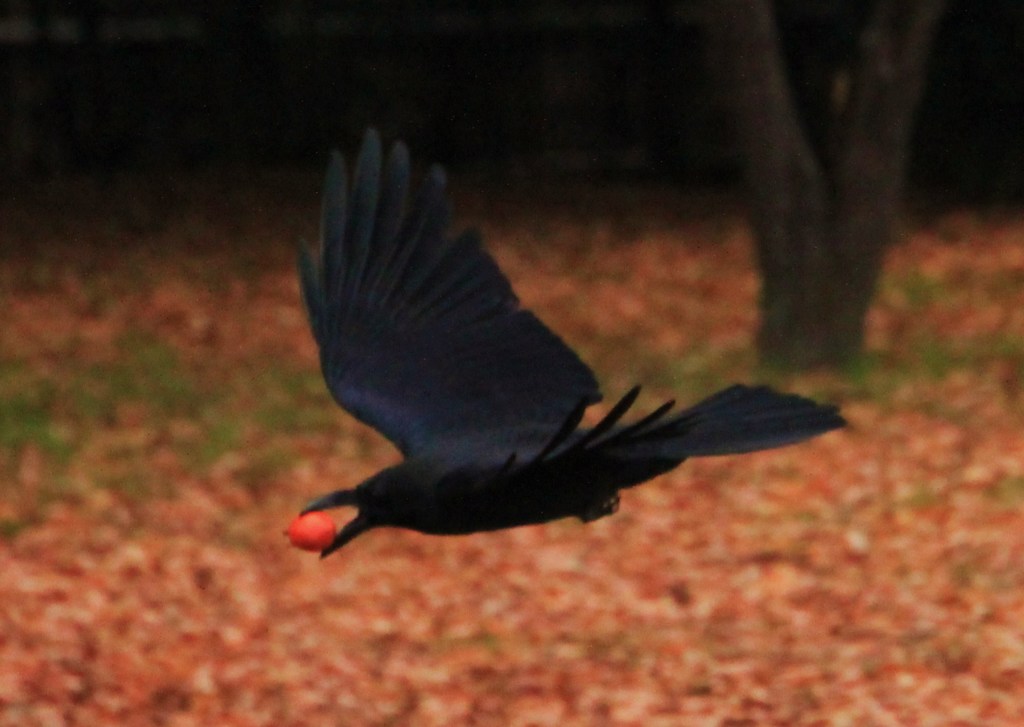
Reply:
x=398, y=496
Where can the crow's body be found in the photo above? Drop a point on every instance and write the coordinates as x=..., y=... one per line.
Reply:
x=421, y=337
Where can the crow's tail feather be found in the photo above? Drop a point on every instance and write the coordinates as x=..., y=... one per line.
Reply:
x=735, y=420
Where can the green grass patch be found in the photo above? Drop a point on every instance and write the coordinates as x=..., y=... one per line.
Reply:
x=264, y=467
x=220, y=435
x=148, y=372
x=130, y=478
x=933, y=358
x=145, y=387
x=1008, y=492
x=26, y=414
x=922, y=497
x=925, y=357
x=292, y=401
x=151, y=371
x=962, y=573
x=10, y=527
x=917, y=289
x=807, y=517
x=485, y=640
x=621, y=364
x=705, y=371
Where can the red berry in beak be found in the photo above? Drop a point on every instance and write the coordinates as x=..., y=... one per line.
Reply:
x=312, y=531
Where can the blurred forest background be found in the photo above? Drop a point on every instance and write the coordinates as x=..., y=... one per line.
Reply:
x=613, y=86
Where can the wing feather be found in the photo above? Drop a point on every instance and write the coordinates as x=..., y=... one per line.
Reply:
x=420, y=334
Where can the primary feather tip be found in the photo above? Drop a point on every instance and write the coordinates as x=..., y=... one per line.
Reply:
x=313, y=531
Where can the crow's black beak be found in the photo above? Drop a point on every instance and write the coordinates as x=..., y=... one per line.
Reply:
x=353, y=528
x=338, y=498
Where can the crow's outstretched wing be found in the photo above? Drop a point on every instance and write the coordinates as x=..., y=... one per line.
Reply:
x=420, y=335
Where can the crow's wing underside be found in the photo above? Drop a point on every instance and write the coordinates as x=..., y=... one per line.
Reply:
x=420, y=334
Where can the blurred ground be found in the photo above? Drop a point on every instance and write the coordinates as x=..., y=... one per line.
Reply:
x=162, y=418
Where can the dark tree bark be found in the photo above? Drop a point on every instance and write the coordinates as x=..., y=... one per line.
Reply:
x=822, y=219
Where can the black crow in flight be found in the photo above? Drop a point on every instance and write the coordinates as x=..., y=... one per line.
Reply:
x=422, y=338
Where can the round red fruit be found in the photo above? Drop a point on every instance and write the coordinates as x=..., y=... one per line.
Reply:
x=312, y=531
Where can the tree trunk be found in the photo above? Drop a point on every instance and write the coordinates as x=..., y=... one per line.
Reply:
x=821, y=231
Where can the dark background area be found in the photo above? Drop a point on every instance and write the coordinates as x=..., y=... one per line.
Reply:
x=603, y=87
